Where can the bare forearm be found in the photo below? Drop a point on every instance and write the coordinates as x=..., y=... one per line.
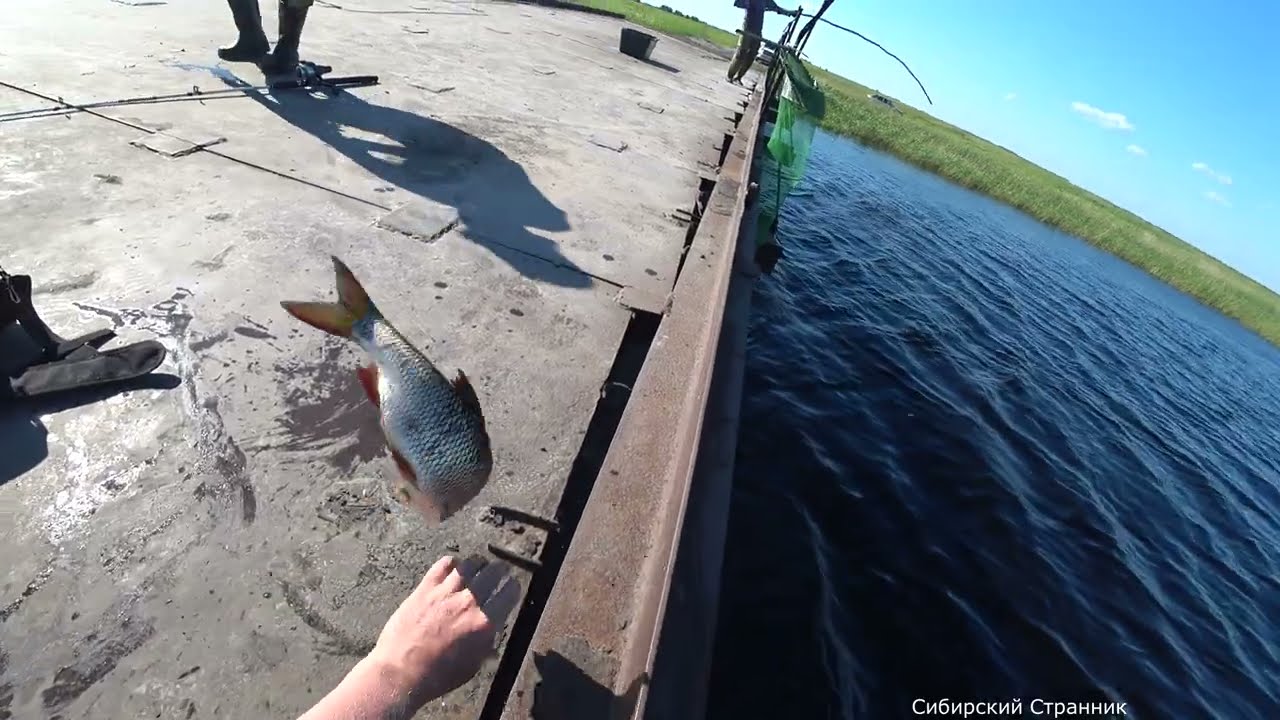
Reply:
x=433, y=643
x=371, y=691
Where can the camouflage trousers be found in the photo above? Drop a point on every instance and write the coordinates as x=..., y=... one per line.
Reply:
x=748, y=48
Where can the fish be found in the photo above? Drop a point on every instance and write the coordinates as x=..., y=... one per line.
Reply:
x=433, y=425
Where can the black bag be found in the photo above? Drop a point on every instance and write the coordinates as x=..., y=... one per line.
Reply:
x=43, y=362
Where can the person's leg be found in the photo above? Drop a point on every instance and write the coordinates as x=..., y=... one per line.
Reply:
x=742, y=59
x=252, y=44
x=735, y=64
x=753, y=51
x=293, y=14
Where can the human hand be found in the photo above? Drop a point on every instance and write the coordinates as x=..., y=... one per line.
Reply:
x=441, y=634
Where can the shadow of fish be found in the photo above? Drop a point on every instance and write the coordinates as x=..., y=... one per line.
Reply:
x=433, y=426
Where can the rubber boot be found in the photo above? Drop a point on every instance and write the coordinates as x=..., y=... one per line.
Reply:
x=16, y=305
x=252, y=44
x=284, y=59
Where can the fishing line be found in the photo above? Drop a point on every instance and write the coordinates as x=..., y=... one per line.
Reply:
x=882, y=49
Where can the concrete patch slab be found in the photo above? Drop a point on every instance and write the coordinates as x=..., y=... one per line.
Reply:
x=420, y=220
x=173, y=146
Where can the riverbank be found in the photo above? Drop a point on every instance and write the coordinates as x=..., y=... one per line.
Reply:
x=968, y=160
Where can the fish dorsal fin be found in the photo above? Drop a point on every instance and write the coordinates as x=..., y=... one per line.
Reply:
x=467, y=393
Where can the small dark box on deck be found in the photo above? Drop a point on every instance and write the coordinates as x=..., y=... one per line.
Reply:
x=636, y=44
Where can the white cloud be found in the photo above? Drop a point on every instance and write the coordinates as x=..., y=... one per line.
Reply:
x=1215, y=196
x=1010, y=96
x=1137, y=150
x=1204, y=168
x=1109, y=120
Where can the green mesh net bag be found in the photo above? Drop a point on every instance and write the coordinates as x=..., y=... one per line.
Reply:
x=801, y=105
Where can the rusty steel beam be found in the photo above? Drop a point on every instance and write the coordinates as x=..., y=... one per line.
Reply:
x=593, y=653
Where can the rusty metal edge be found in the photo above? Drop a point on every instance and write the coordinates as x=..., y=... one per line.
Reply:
x=727, y=233
x=680, y=667
x=600, y=630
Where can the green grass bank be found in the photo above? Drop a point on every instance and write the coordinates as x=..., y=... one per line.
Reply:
x=968, y=160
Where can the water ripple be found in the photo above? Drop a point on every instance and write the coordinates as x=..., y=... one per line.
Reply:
x=982, y=460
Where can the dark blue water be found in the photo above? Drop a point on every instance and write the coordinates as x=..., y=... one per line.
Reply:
x=981, y=460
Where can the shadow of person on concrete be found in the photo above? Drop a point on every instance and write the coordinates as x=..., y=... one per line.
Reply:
x=496, y=202
x=565, y=690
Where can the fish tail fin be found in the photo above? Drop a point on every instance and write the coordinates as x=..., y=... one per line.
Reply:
x=351, y=293
x=332, y=318
x=335, y=318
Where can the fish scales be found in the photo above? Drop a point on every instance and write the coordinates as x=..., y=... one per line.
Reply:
x=422, y=413
x=434, y=427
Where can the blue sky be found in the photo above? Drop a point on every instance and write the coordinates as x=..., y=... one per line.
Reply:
x=1168, y=109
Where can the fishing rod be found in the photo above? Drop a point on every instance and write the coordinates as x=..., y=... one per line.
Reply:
x=195, y=93
x=817, y=17
x=309, y=76
x=807, y=30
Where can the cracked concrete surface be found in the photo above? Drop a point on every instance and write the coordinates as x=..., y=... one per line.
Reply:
x=220, y=541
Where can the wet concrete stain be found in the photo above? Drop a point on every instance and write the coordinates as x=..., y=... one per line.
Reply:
x=31, y=589
x=120, y=633
x=229, y=463
x=341, y=643
x=255, y=324
x=220, y=453
x=204, y=343
x=346, y=507
x=121, y=553
x=76, y=282
x=217, y=262
x=117, y=318
x=334, y=410
x=266, y=651
x=254, y=333
x=6, y=688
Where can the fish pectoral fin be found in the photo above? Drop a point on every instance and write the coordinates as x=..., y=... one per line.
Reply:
x=408, y=493
x=406, y=470
x=368, y=375
x=466, y=393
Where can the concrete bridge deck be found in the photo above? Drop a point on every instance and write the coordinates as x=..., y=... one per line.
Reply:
x=220, y=542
